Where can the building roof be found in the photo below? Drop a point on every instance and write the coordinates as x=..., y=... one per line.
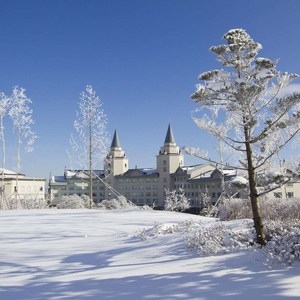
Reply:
x=115, y=142
x=139, y=173
x=169, y=137
x=9, y=172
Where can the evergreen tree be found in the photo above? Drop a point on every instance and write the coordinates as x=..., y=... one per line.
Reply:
x=246, y=106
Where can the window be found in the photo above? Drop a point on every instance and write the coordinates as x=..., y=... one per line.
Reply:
x=278, y=195
x=290, y=195
x=164, y=162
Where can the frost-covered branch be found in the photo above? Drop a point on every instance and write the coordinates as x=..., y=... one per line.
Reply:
x=254, y=111
x=90, y=140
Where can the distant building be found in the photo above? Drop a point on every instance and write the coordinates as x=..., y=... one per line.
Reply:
x=144, y=185
x=147, y=185
x=288, y=190
x=27, y=187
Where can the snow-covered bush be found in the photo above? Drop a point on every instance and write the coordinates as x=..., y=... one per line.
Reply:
x=72, y=202
x=27, y=203
x=280, y=209
x=284, y=241
x=158, y=229
x=118, y=203
x=176, y=200
x=234, y=209
x=272, y=209
x=217, y=238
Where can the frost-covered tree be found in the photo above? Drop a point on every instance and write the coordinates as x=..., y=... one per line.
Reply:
x=247, y=106
x=89, y=143
x=5, y=105
x=21, y=116
x=176, y=200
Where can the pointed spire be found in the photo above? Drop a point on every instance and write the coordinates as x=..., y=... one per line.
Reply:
x=169, y=137
x=115, y=143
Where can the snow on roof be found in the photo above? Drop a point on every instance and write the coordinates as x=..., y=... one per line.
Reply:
x=58, y=179
x=80, y=173
x=149, y=171
x=239, y=180
x=9, y=172
x=226, y=172
x=229, y=172
x=139, y=172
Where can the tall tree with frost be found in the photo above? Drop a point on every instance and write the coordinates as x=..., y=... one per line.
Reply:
x=246, y=107
x=89, y=144
x=5, y=105
x=21, y=117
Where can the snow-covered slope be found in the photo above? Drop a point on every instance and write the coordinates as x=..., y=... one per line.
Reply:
x=83, y=254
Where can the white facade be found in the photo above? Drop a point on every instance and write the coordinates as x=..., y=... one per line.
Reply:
x=147, y=186
x=22, y=187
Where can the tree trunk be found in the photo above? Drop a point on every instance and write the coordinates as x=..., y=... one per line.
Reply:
x=18, y=170
x=257, y=218
x=2, y=192
x=91, y=165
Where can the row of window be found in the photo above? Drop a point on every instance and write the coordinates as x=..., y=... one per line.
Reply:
x=138, y=180
x=192, y=186
x=141, y=194
x=29, y=189
x=279, y=194
x=79, y=188
x=199, y=194
x=141, y=187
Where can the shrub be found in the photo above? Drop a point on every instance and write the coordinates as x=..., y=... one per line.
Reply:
x=119, y=203
x=234, y=209
x=217, y=238
x=176, y=200
x=272, y=209
x=72, y=202
x=283, y=241
x=27, y=203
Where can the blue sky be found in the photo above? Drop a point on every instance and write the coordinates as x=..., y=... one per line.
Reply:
x=142, y=58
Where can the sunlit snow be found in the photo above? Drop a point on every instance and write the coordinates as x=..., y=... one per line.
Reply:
x=93, y=254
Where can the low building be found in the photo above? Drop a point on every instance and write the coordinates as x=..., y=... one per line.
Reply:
x=21, y=186
x=76, y=182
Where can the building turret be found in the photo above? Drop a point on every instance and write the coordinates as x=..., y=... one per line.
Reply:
x=116, y=160
x=116, y=163
x=167, y=162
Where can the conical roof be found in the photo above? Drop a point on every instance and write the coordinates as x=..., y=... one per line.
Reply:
x=169, y=137
x=115, y=142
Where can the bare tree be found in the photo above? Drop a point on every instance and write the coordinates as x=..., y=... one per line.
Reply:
x=5, y=105
x=21, y=116
x=90, y=142
x=247, y=107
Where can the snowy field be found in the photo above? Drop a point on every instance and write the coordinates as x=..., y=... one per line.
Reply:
x=82, y=254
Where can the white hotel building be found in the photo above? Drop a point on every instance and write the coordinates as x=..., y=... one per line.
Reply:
x=144, y=185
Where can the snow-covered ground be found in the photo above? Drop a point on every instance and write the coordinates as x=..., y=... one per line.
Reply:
x=92, y=254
